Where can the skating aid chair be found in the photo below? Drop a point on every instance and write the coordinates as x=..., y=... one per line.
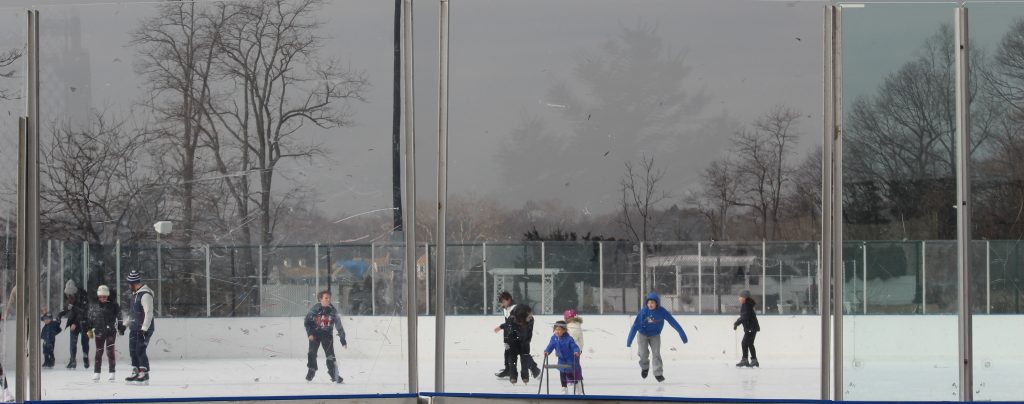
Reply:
x=575, y=369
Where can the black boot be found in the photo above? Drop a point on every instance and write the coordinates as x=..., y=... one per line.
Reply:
x=502, y=374
x=659, y=378
x=72, y=364
x=754, y=364
x=643, y=373
x=743, y=363
x=133, y=377
x=85, y=361
x=143, y=377
x=309, y=374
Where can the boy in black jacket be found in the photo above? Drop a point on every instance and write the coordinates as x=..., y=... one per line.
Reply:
x=318, y=323
x=748, y=319
x=49, y=336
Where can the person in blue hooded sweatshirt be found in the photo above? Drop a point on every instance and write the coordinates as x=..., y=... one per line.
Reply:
x=648, y=323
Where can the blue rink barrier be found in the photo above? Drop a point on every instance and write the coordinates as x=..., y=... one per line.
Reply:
x=343, y=398
x=450, y=398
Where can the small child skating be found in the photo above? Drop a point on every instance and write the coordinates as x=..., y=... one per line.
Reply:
x=748, y=319
x=574, y=324
x=105, y=318
x=319, y=322
x=568, y=353
x=648, y=323
x=49, y=336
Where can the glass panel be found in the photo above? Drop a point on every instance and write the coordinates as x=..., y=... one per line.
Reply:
x=646, y=159
x=12, y=105
x=996, y=30
x=898, y=196
x=270, y=166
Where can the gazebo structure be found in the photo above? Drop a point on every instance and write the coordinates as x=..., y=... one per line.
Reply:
x=536, y=278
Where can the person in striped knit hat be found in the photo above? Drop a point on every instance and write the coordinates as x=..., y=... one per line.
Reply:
x=141, y=327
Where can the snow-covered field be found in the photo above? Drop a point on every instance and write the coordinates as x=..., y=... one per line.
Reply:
x=266, y=357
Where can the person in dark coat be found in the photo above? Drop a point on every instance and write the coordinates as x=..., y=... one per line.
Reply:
x=522, y=317
x=748, y=319
x=507, y=305
x=105, y=318
x=78, y=321
x=142, y=325
x=48, y=334
x=320, y=322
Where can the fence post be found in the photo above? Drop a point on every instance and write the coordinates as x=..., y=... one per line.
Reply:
x=643, y=251
x=988, y=278
x=316, y=267
x=85, y=266
x=924, y=278
x=49, y=270
x=373, y=280
x=600, y=277
x=117, y=273
x=259, y=281
x=543, y=281
x=764, y=277
x=208, y=306
x=700, y=280
x=484, y=275
x=864, y=281
x=426, y=276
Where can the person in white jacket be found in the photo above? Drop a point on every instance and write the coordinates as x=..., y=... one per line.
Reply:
x=575, y=326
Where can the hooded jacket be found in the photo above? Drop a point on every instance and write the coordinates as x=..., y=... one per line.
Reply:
x=564, y=347
x=748, y=318
x=321, y=319
x=575, y=327
x=650, y=322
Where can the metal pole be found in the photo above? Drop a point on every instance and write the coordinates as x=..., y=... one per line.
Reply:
x=373, y=280
x=410, y=195
x=442, y=202
x=484, y=274
x=316, y=267
x=600, y=277
x=700, y=280
x=49, y=271
x=159, y=278
x=963, y=214
x=117, y=273
x=259, y=280
x=831, y=288
x=643, y=270
x=28, y=360
x=426, y=277
x=543, y=281
x=864, y=276
x=924, y=278
x=85, y=266
x=209, y=307
x=764, y=276
x=988, y=277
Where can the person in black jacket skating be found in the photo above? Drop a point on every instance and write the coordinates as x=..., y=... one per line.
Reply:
x=78, y=321
x=105, y=318
x=319, y=322
x=748, y=319
x=522, y=317
x=48, y=334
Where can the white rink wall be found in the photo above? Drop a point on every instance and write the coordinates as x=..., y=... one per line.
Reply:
x=868, y=338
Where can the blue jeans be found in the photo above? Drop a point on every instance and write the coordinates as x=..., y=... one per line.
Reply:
x=74, y=342
x=138, y=341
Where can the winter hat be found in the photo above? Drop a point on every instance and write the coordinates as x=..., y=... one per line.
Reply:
x=46, y=316
x=745, y=294
x=560, y=324
x=103, y=291
x=134, y=277
x=70, y=288
x=569, y=314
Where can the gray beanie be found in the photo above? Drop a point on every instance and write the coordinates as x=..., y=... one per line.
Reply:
x=745, y=294
x=70, y=288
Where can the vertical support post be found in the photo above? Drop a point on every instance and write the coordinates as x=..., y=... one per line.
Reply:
x=643, y=272
x=426, y=277
x=49, y=271
x=209, y=307
x=484, y=275
x=963, y=193
x=700, y=280
x=764, y=276
x=442, y=201
x=410, y=195
x=117, y=273
x=316, y=267
x=259, y=280
x=831, y=372
x=864, y=276
x=159, y=278
x=543, y=281
x=85, y=266
x=988, y=277
x=600, y=277
x=60, y=285
x=373, y=280
x=924, y=277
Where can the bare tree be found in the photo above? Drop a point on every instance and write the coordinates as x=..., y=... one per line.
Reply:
x=641, y=192
x=761, y=165
x=719, y=193
x=93, y=181
x=269, y=50
x=7, y=60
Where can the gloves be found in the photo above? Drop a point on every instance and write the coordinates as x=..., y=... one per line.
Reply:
x=685, y=340
x=90, y=334
x=342, y=340
x=734, y=326
x=121, y=328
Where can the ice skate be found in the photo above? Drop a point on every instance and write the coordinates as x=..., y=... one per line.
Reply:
x=96, y=377
x=135, y=375
x=72, y=364
x=143, y=379
x=513, y=378
x=754, y=364
x=338, y=379
x=743, y=363
x=565, y=390
x=309, y=375
x=659, y=378
x=643, y=373
x=85, y=361
x=111, y=377
x=502, y=374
